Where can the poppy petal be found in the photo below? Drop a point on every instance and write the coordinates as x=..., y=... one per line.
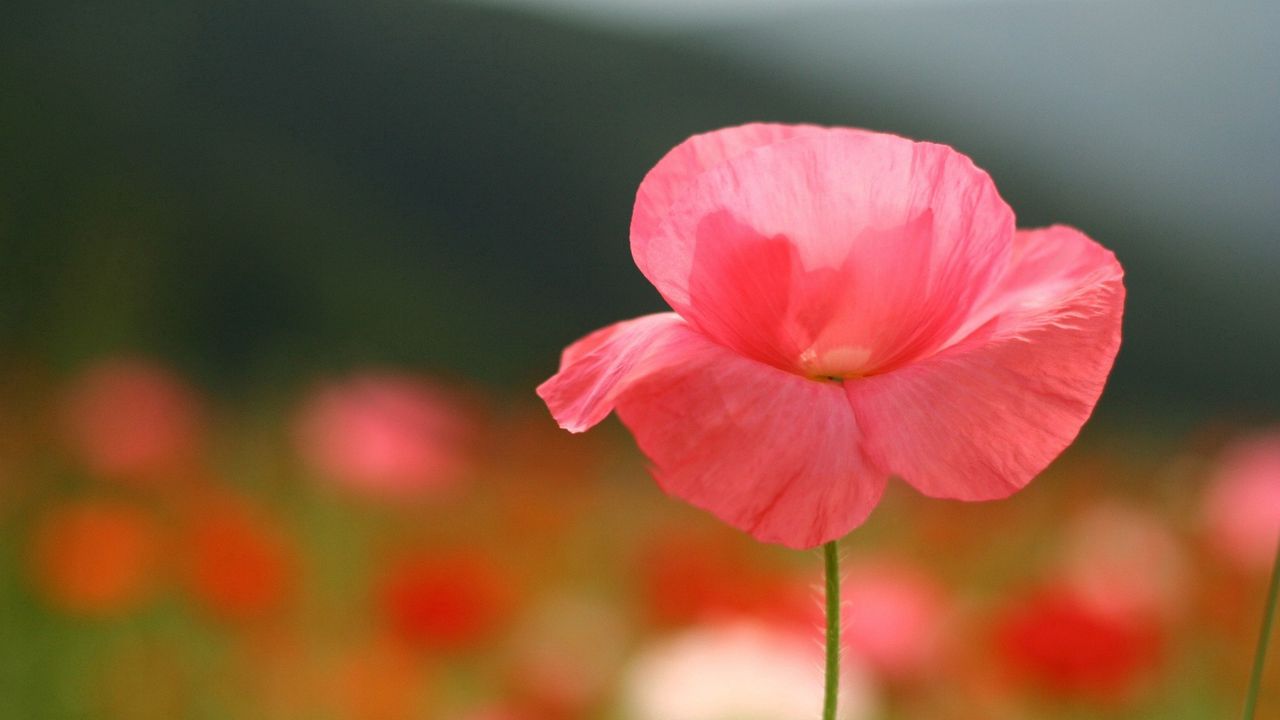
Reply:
x=774, y=454
x=980, y=419
x=596, y=368
x=669, y=179
x=829, y=252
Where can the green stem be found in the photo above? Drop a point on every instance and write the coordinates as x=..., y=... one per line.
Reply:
x=832, y=686
x=1260, y=657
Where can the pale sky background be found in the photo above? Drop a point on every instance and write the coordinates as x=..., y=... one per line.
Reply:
x=679, y=14
x=1164, y=112
x=1157, y=103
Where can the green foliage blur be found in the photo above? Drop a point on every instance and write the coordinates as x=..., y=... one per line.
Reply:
x=258, y=190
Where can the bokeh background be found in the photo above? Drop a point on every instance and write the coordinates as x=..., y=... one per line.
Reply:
x=277, y=279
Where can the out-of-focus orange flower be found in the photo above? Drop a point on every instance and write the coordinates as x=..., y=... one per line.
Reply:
x=237, y=563
x=693, y=575
x=132, y=420
x=388, y=435
x=1058, y=641
x=275, y=674
x=893, y=614
x=380, y=680
x=1242, y=506
x=96, y=557
x=446, y=601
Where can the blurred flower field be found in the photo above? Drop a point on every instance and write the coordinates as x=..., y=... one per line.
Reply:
x=381, y=545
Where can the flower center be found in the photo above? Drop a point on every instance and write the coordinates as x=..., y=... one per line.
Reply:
x=843, y=362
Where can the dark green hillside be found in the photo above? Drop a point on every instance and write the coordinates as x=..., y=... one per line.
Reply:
x=259, y=190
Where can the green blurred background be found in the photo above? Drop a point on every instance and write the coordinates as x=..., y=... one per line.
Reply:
x=261, y=189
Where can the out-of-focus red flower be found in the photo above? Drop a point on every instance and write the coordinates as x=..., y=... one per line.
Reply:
x=1065, y=645
x=387, y=435
x=96, y=557
x=692, y=575
x=380, y=680
x=445, y=601
x=1242, y=506
x=893, y=615
x=133, y=420
x=237, y=564
x=1126, y=560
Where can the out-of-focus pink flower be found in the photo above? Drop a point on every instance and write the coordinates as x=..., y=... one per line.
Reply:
x=1056, y=640
x=386, y=435
x=849, y=305
x=96, y=557
x=1126, y=560
x=894, y=616
x=740, y=671
x=445, y=601
x=1242, y=506
x=237, y=564
x=133, y=420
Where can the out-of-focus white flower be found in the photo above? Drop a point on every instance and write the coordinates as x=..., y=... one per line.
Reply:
x=740, y=671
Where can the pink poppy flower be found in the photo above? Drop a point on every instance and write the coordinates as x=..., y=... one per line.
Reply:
x=387, y=436
x=135, y=421
x=1242, y=505
x=894, y=617
x=849, y=305
x=1126, y=560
